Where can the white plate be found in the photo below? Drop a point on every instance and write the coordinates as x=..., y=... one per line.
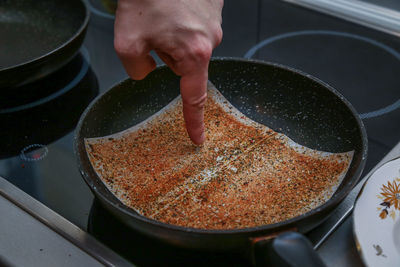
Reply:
x=376, y=217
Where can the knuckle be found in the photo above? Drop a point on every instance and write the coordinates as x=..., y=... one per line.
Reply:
x=218, y=36
x=221, y=3
x=125, y=47
x=198, y=102
x=120, y=45
x=177, y=54
x=201, y=51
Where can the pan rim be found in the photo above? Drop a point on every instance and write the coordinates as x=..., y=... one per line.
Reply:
x=58, y=48
x=257, y=230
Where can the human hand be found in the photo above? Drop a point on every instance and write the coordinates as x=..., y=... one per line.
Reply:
x=183, y=33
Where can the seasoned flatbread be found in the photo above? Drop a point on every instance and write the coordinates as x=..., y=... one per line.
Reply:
x=244, y=175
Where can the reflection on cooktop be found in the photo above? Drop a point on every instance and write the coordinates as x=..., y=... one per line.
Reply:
x=41, y=112
x=145, y=251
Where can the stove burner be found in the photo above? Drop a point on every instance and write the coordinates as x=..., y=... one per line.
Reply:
x=381, y=111
x=34, y=152
x=391, y=51
x=82, y=72
x=41, y=112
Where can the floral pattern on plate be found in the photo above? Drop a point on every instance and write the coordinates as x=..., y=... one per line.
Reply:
x=390, y=195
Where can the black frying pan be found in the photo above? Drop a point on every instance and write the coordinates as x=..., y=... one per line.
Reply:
x=307, y=110
x=38, y=37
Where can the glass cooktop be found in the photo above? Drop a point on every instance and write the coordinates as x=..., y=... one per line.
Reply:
x=37, y=138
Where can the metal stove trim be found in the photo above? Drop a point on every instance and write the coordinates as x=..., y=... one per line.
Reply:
x=60, y=225
x=366, y=14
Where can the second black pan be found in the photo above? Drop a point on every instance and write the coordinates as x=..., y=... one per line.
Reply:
x=307, y=110
x=38, y=37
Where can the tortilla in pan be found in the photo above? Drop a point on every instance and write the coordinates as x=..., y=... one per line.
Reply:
x=245, y=174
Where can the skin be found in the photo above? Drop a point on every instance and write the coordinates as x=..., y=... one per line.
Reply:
x=183, y=33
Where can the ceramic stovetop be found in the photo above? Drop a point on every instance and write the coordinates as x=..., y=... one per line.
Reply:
x=363, y=64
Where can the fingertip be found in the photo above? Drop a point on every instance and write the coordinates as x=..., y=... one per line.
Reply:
x=194, y=120
x=194, y=125
x=198, y=138
x=194, y=98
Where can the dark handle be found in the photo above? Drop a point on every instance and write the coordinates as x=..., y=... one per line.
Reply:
x=287, y=249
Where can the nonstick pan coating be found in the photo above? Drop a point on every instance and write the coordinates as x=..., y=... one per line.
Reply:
x=38, y=37
x=288, y=101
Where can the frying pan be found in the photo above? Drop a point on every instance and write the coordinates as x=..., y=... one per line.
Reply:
x=305, y=109
x=38, y=37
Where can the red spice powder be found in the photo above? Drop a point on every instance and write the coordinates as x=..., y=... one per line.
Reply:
x=245, y=174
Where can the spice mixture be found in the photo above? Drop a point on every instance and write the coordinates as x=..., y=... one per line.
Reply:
x=245, y=174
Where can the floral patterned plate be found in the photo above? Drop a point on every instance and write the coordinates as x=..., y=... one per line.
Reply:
x=376, y=217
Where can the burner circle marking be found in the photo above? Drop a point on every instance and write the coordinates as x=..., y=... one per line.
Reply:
x=39, y=155
x=84, y=69
x=366, y=115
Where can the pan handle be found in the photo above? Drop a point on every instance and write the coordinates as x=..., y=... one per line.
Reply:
x=287, y=249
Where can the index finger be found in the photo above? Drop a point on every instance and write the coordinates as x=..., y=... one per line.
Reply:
x=194, y=96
